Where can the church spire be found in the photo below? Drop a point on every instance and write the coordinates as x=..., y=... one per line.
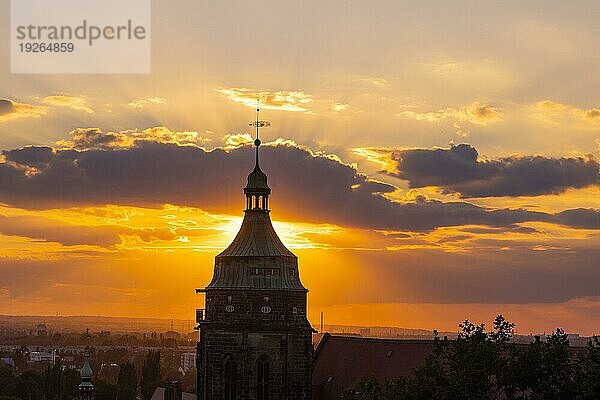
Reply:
x=86, y=388
x=257, y=190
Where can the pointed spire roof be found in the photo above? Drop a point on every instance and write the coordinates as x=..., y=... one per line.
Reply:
x=256, y=238
x=86, y=371
x=256, y=258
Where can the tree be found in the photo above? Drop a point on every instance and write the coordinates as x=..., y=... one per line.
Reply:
x=7, y=381
x=104, y=390
x=544, y=370
x=150, y=374
x=53, y=382
x=29, y=385
x=488, y=365
x=127, y=381
x=476, y=365
x=588, y=371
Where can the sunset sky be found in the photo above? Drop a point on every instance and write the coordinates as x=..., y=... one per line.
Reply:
x=429, y=161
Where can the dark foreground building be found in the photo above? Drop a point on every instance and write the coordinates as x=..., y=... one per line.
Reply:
x=255, y=340
x=341, y=362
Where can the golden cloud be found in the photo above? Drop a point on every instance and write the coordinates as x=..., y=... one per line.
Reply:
x=476, y=113
x=377, y=82
x=549, y=111
x=592, y=115
x=77, y=103
x=339, y=107
x=237, y=140
x=11, y=110
x=381, y=156
x=95, y=138
x=281, y=100
x=482, y=114
x=152, y=101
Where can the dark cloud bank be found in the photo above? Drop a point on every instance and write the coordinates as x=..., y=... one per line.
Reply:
x=6, y=106
x=458, y=170
x=305, y=186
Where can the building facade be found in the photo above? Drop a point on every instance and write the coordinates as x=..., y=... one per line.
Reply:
x=255, y=339
x=188, y=361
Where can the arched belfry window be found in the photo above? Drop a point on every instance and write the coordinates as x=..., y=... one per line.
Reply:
x=229, y=379
x=263, y=378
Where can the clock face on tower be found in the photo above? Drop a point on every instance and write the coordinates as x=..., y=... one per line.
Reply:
x=265, y=309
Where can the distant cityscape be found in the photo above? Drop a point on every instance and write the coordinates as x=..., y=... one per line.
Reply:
x=128, y=331
x=41, y=342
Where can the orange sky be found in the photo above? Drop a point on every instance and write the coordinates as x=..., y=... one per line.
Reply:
x=429, y=163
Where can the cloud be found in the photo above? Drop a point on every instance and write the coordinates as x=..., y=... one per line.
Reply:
x=10, y=109
x=34, y=157
x=458, y=169
x=476, y=113
x=77, y=103
x=95, y=138
x=237, y=140
x=280, y=100
x=338, y=107
x=306, y=186
x=142, y=103
x=52, y=231
x=592, y=115
x=377, y=82
x=482, y=114
x=107, y=236
x=486, y=276
x=580, y=217
x=549, y=111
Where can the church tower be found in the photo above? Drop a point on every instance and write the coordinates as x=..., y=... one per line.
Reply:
x=255, y=339
x=86, y=388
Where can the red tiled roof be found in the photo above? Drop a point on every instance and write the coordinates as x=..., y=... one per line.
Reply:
x=342, y=362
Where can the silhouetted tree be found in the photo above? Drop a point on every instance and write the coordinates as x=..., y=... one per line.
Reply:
x=150, y=374
x=488, y=365
x=29, y=385
x=545, y=369
x=53, y=382
x=7, y=381
x=587, y=374
x=127, y=381
x=104, y=390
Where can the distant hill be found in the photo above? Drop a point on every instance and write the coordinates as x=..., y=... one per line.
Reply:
x=96, y=323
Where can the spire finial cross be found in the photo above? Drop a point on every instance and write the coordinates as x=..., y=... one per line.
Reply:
x=258, y=124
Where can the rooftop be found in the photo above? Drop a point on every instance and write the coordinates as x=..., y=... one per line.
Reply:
x=342, y=362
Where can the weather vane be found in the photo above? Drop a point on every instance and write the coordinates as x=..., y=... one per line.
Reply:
x=258, y=124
